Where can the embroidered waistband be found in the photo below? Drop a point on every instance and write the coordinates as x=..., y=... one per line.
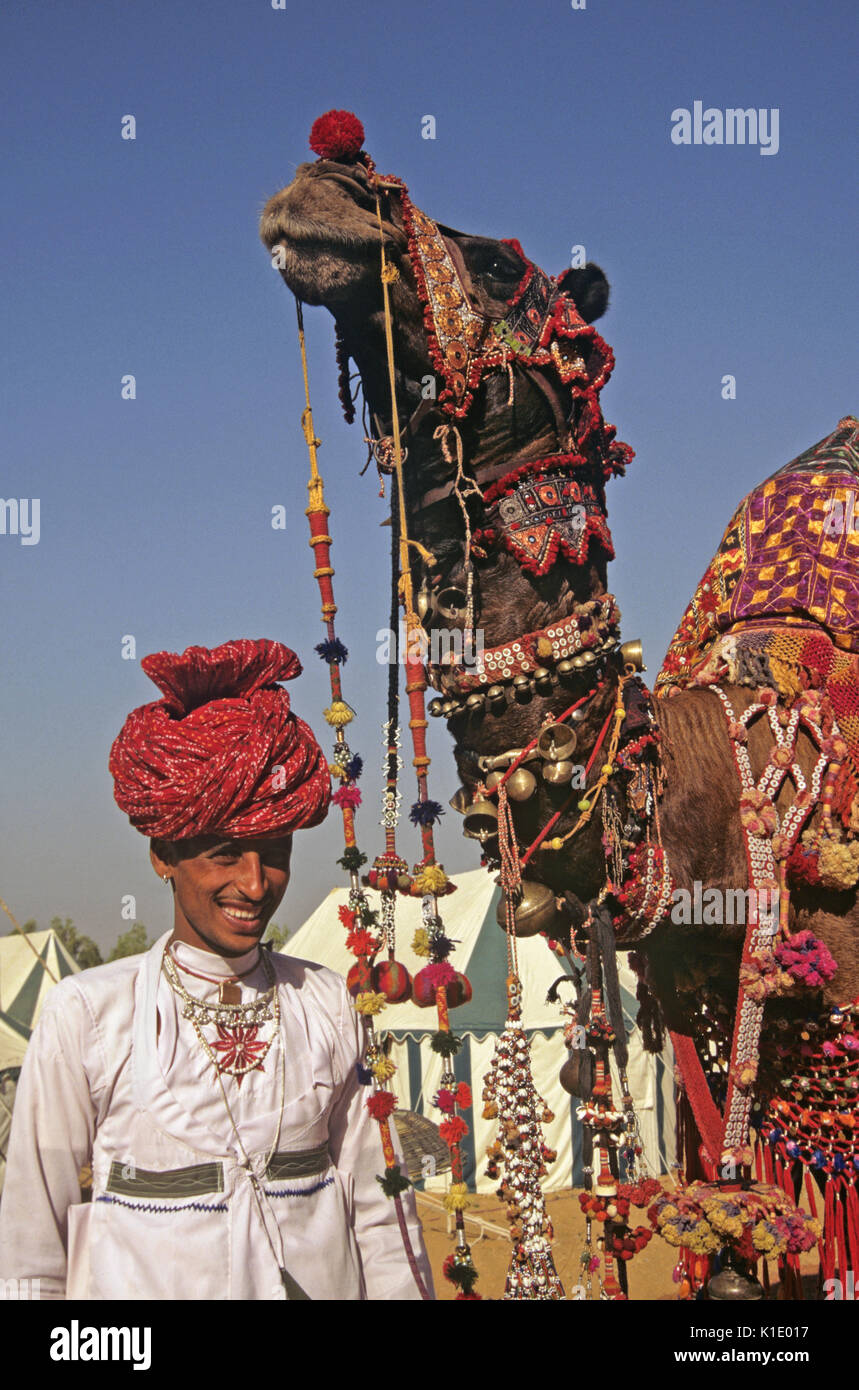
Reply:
x=305, y=1164
x=130, y=1181
x=127, y=1180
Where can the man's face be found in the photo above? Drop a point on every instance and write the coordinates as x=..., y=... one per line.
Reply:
x=226, y=890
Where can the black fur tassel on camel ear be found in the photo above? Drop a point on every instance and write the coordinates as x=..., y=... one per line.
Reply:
x=588, y=287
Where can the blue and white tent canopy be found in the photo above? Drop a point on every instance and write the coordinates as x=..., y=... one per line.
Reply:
x=469, y=917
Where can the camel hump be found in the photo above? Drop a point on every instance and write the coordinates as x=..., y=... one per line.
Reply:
x=838, y=452
x=779, y=603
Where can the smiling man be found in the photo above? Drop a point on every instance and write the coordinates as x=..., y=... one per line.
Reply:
x=214, y=1088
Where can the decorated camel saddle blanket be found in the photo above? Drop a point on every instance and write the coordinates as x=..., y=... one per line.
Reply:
x=778, y=606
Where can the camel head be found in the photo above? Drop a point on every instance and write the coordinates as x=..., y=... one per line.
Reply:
x=324, y=235
x=496, y=363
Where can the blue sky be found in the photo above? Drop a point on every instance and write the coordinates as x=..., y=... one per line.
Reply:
x=142, y=257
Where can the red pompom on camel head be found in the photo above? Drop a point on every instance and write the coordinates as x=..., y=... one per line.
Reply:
x=337, y=135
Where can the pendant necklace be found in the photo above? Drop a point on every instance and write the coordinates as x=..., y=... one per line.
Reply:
x=238, y=1049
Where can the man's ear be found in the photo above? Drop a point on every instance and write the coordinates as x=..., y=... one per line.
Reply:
x=589, y=288
x=161, y=856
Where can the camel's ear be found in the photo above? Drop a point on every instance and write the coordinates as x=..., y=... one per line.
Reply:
x=589, y=288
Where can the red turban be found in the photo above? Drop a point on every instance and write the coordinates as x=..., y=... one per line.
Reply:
x=221, y=751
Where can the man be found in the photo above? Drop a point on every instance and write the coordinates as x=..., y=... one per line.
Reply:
x=214, y=1087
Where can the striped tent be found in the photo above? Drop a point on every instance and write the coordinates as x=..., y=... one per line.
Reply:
x=469, y=917
x=29, y=967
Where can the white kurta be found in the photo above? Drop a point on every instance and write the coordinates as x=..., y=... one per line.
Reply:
x=116, y=1077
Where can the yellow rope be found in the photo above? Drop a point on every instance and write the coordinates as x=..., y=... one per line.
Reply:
x=389, y=274
x=590, y=798
x=314, y=486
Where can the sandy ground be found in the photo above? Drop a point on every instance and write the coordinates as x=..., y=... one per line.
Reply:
x=649, y=1271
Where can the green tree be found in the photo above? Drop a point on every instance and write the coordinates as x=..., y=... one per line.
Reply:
x=132, y=943
x=81, y=948
x=276, y=935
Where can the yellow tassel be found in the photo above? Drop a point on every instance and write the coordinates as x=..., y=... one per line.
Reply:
x=458, y=1198
x=369, y=1003
x=339, y=714
x=384, y=1069
x=430, y=879
x=421, y=942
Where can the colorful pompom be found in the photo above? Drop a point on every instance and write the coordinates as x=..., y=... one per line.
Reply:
x=452, y=1130
x=429, y=878
x=425, y=813
x=351, y=859
x=332, y=649
x=337, y=135
x=381, y=1105
x=347, y=797
x=457, y=1198
x=369, y=1003
x=445, y=1044
x=338, y=714
x=393, y=1182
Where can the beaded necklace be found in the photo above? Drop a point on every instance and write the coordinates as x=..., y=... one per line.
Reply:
x=237, y=1024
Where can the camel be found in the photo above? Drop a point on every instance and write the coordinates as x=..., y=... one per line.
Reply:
x=324, y=231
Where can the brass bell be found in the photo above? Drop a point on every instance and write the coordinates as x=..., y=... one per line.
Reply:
x=557, y=774
x=436, y=707
x=461, y=800
x=495, y=692
x=534, y=912
x=521, y=784
x=556, y=743
x=480, y=821
x=474, y=703
x=522, y=688
x=565, y=667
x=579, y=662
x=448, y=708
x=543, y=678
x=493, y=779
x=451, y=603
x=425, y=601
x=633, y=654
